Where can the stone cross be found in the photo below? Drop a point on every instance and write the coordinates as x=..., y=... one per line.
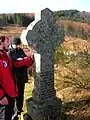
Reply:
x=44, y=37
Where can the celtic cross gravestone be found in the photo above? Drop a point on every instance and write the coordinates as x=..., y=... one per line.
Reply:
x=44, y=37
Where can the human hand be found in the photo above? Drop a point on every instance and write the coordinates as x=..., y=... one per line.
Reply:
x=30, y=54
x=4, y=101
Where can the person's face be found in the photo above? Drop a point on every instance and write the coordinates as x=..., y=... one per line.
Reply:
x=6, y=44
x=18, y=46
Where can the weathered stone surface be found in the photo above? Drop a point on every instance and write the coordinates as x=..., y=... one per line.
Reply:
x=50, y=110
x=45, y=36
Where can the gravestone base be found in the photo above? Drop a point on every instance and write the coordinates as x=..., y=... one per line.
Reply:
x=49, y=110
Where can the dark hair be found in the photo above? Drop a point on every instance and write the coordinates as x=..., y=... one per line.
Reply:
x=2, y=38
x=16, y=41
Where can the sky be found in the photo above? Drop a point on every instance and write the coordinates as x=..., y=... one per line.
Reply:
x=32, y=6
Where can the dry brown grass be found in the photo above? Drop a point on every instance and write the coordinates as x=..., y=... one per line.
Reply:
x=11, y=30
x=76, y=103
x=76, y=44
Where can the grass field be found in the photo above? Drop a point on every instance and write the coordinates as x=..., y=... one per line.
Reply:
x=76, y=102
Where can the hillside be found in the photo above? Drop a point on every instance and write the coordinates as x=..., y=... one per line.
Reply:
x=70, y=43
x=11, y=30
x=74, y=15
x=76, y=102
x=74, y=23
x=76, y=44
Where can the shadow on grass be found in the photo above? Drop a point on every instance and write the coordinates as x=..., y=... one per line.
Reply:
x=77, y=110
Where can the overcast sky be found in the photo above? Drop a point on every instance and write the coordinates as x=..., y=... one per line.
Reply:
x=32, y=6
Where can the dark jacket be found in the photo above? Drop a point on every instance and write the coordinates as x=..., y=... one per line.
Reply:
x=20, y=66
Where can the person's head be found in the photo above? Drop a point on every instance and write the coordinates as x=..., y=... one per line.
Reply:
x=4, y=43
x=16, y=42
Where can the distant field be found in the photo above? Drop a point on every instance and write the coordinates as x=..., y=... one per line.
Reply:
x=11, y=30
x=70, y=43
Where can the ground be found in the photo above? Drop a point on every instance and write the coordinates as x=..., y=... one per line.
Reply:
x=76, y=102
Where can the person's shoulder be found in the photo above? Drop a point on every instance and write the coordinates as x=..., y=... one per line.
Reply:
x=11, y=52
x=21, y=49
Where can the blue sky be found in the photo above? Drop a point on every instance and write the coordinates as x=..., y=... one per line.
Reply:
x=31, y=6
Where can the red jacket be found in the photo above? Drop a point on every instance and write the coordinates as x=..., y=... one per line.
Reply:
x=27, y=61
x=7, y=85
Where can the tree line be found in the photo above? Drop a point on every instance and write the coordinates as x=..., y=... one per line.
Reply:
x=74, y=23
x=22, y=19
x=74, y=15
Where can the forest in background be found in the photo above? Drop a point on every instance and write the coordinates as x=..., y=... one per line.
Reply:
x=74, y=23
x=21, y=19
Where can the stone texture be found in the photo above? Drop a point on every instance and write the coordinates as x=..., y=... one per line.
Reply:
x=45, y=36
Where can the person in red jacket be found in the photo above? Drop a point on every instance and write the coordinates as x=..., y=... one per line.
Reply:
x=8, y=89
